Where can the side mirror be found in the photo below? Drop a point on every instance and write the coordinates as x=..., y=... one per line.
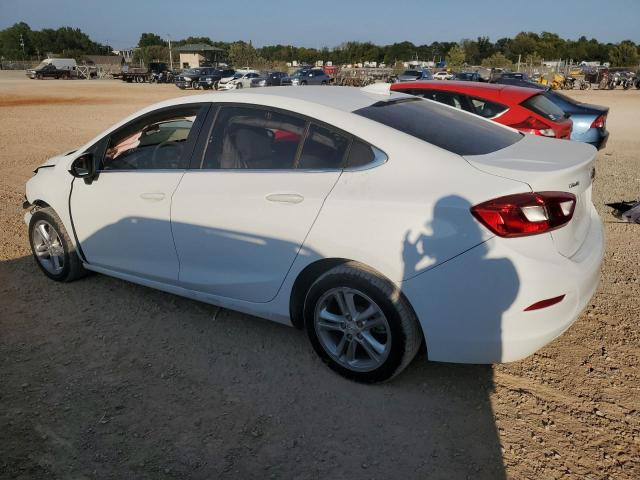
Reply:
x=82, y=167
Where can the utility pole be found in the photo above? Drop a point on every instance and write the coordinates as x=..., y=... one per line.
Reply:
x=22, y=45
x=170, y=55
x=519, y=56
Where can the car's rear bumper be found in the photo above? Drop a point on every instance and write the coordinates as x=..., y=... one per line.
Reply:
x=602, y=141
x=472, y=307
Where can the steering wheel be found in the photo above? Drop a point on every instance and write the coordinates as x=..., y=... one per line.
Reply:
x=155, y=156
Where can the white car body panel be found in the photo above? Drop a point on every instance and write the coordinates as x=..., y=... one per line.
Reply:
x=468, y=288
x=131, y=232
x=243, y=240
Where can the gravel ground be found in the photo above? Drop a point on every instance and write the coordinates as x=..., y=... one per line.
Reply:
x=104, y=379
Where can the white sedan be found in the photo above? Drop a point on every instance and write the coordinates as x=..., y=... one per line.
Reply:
x=377, y=222
x=442, y=75
x=239, y=80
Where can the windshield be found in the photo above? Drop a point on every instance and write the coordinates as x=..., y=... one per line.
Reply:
x=192, y=71
x=42, y=65
x=442, y=126
x=544, y=107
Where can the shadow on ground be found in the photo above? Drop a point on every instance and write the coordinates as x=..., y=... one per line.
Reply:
x=104, y=379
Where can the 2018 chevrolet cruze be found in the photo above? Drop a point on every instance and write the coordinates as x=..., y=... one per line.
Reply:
x=376, y=221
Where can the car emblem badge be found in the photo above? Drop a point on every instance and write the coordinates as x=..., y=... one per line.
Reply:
x=574, y=184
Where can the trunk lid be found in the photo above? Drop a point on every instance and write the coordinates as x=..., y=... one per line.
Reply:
x=549, y=165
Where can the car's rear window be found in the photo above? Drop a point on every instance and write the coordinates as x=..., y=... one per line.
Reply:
x=544, y=107
x=444, y=127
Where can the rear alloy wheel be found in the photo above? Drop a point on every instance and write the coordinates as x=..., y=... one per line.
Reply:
x=360, y=324
x=52, y=248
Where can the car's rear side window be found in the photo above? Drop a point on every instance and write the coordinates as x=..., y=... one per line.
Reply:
x=444, y=127
x=544, y=107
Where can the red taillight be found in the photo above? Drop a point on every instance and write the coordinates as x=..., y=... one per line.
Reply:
x=599, y=122
x=544, y=303
x=534, y=126
x=525, y=214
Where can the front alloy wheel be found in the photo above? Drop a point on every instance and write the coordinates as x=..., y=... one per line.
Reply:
x=47, y=247
x=52, y=248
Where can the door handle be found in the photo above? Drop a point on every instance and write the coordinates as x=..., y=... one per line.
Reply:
x=285, y=197
x=154, y=197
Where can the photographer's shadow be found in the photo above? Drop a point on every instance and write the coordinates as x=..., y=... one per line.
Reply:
x=463, y=298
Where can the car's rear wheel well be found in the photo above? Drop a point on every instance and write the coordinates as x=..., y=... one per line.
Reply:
x=302, y=284
x=309, y=275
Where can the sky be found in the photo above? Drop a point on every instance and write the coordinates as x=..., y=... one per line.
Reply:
x=321, y=23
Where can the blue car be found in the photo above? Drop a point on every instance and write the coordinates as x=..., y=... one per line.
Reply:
x=589, y=121
x=415, y=75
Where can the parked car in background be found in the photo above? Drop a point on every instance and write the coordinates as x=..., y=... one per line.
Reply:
x=292, y=214
x=589, y=121
x=149, y=73
x=190, y=78
x=442, y=75
x=517, y=79
x=468, y=77
x=271, y=79
x=415, y=75
x=524, y=109
x=313, y=76
x=211, y=80
x=241, y=79
x=54, y=68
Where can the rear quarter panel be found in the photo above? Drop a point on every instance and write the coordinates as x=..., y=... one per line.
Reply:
x=409, y=214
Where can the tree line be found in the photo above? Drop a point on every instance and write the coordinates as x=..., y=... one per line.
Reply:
x=19, y=41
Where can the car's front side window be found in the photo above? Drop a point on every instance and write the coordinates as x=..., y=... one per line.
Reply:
x=155, y=142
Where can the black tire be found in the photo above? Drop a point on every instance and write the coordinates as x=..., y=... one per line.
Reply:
x=406, y=335
x=304, y=82
x=238, y=86
x=324, y=83
x=215, y=85
x=72, y=268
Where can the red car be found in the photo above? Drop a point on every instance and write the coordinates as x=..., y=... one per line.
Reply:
x=524, y=109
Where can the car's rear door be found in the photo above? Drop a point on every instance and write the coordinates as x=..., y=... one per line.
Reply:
x=241, y=214
x=122, y=218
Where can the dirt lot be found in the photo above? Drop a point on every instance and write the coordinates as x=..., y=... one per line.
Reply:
x=105, y=379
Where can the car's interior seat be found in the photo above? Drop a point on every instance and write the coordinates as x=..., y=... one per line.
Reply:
x=247, y=147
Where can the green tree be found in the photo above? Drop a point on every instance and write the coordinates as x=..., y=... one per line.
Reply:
x=242, y=54
x=455, y=57
x=152, y=53
x=150, y=39
x=497, y=60
x=624, y=54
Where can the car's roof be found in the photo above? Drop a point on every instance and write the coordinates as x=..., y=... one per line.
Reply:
x=489, y=91
x=345, y=99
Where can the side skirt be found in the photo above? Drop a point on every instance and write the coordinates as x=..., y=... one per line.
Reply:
x=255, y=309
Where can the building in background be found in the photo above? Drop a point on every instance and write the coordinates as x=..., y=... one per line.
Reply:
x=199, y=55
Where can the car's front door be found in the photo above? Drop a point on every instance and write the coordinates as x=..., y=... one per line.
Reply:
x=122, y=218
x=241, y=216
